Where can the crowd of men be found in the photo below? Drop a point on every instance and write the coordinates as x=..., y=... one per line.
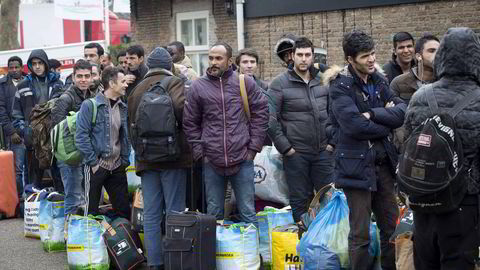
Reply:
x=331, y=124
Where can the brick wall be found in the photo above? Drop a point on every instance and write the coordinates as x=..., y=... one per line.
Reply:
x=153, y=23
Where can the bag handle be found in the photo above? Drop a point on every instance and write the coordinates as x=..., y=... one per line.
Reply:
x=432, y=101
x=243, y=93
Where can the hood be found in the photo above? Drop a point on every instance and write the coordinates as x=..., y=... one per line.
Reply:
x=332, y=73
x=285, y=43
x=186, y=62
x=40, y=54
x=458, y=55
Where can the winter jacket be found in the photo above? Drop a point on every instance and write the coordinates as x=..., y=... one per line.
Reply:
x=139, y=73
x=69, y=101
x=175, y=89
x=458, y=73
x=301, y=112
x=393, y=69
x=214, y=113
x=185, y=66
x=7, y=97
x=355, y=135
x=93, y=140
x=26, y=96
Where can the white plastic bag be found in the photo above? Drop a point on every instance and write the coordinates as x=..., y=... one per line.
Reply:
x=30, y=218
x=237, y=247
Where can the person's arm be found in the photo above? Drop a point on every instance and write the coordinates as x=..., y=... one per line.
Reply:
x=83, y=142
x=17, y=114
x=275, y=128
x=259, y=116
x=192, y=120
x=391, y=117
x=61, y=108
x=176, y=90
x=5, y=121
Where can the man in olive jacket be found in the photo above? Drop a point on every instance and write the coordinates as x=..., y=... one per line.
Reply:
x=163, y=183
x=300, y=132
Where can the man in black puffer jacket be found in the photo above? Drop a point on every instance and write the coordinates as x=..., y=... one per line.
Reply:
x=450, y=240
x=69, y=101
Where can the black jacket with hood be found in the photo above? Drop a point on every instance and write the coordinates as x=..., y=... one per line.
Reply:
x=27, y=94
x=7, y=96
x=393, y=69
x=70, y=101
x=139, y=73
x=457, y=69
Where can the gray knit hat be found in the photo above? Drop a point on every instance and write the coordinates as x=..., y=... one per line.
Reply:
x=159, y=58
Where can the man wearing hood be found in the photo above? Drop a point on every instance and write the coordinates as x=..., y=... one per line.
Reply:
x=402, y=56
x=450, y=240
x=181, y=61
x=38, y=87
x=8, y=88
x=163, y=183
x=284, y=49
x=214, y=113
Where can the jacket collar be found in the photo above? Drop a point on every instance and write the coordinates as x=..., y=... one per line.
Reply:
x=293, y=76
x=225, y=74
x=349, y=72
x=158, y=71
x=101, y=100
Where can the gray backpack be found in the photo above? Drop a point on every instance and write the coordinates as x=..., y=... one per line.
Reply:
x=155, y=130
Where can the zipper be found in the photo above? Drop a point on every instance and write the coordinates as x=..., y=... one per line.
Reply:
x=224, y=124
x=313, y=102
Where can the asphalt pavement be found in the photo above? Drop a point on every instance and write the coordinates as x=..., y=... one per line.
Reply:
x=20, y=253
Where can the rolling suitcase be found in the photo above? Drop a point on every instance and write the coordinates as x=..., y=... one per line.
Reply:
x=8, y=185
x=190, y=241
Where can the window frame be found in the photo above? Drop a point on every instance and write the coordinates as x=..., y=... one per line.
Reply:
x=191, y=16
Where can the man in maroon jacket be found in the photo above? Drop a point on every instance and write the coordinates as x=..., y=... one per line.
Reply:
x=214, y=114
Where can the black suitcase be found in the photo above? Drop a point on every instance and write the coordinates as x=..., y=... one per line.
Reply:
x=189, y=242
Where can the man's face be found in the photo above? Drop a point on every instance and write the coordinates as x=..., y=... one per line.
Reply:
x=428, y=54
x=58, y=70
x=303, y=59
x=122, y=62
x=119, y=85
x=364, y=62
x=288, y=57
x=218, y=62
x=133, y=61
x=82, y=79
x=15, y=69
x=95, y=75
x=405, y=51
x=91, y=55
x=105, y=62
x=248, y=65
x=38, y=67
x=175, y=53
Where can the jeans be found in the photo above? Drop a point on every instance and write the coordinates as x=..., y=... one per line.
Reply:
x=243, y=187
x=115, y=183
x=72, y=177
x=19, y=151
x=305, y=172
x=163, y=191
x=384, y=205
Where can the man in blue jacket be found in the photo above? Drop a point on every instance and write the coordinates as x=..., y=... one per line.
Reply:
x=364, y=113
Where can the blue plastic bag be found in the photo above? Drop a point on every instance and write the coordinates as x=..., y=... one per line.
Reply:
x=237, y=247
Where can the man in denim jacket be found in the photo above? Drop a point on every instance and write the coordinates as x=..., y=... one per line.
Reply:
x=104, y=144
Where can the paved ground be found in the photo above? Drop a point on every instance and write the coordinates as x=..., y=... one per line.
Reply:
x=20, y=253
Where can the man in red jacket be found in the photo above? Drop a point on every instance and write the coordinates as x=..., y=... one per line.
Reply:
x=214, y=113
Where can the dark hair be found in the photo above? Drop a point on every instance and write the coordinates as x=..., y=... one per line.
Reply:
x=82, y=64
x=93, y=45
x=303, y=42
x=424, y=39
x=121, y=53
x=247, y=51
x=400, y=37
x=137, y=50
x=110, y=74
x=356, y=42
x=54, y=63
x=226, y=46
x=15, y=58
x=179, y=46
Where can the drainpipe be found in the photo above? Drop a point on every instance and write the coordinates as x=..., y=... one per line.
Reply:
x=240, y=24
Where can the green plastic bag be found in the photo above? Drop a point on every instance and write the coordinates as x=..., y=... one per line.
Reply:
x=51, y=219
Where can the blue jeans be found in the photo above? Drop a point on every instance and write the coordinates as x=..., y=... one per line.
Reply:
x=21, y=171
x=163, y=191
x=72, y=177
x=243, y=187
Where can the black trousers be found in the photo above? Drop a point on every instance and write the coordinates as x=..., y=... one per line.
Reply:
x=447, y=241
x=384, y=205
x=115, y=182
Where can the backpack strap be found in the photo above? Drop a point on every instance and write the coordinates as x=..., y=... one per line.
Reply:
x=94, y=114
x=243, y=93
x=432, y=101
x=464, y=102
x=163, y=84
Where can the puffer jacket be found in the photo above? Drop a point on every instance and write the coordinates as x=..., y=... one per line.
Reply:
x=301, y=112
x=214, y=113
x=458, y=72
x=69, y=101
x=354, y=135
x=176, y=90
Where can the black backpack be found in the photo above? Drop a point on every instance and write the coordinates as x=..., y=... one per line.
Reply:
x=155, y=130
x=432, y=176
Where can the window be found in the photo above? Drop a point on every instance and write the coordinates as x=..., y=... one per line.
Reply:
x=192, y=31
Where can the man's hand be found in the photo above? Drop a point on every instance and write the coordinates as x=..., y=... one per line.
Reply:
x=390, y=104
x=251, y=155
x=130, y=78
x=367, y=115
x=16, y=139
x=329, y=148
x=95, y=168
x=290, y=152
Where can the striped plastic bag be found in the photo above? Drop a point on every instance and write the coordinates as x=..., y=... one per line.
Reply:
x=237, y=247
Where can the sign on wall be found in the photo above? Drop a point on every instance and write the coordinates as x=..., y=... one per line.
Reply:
x=79, y=9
